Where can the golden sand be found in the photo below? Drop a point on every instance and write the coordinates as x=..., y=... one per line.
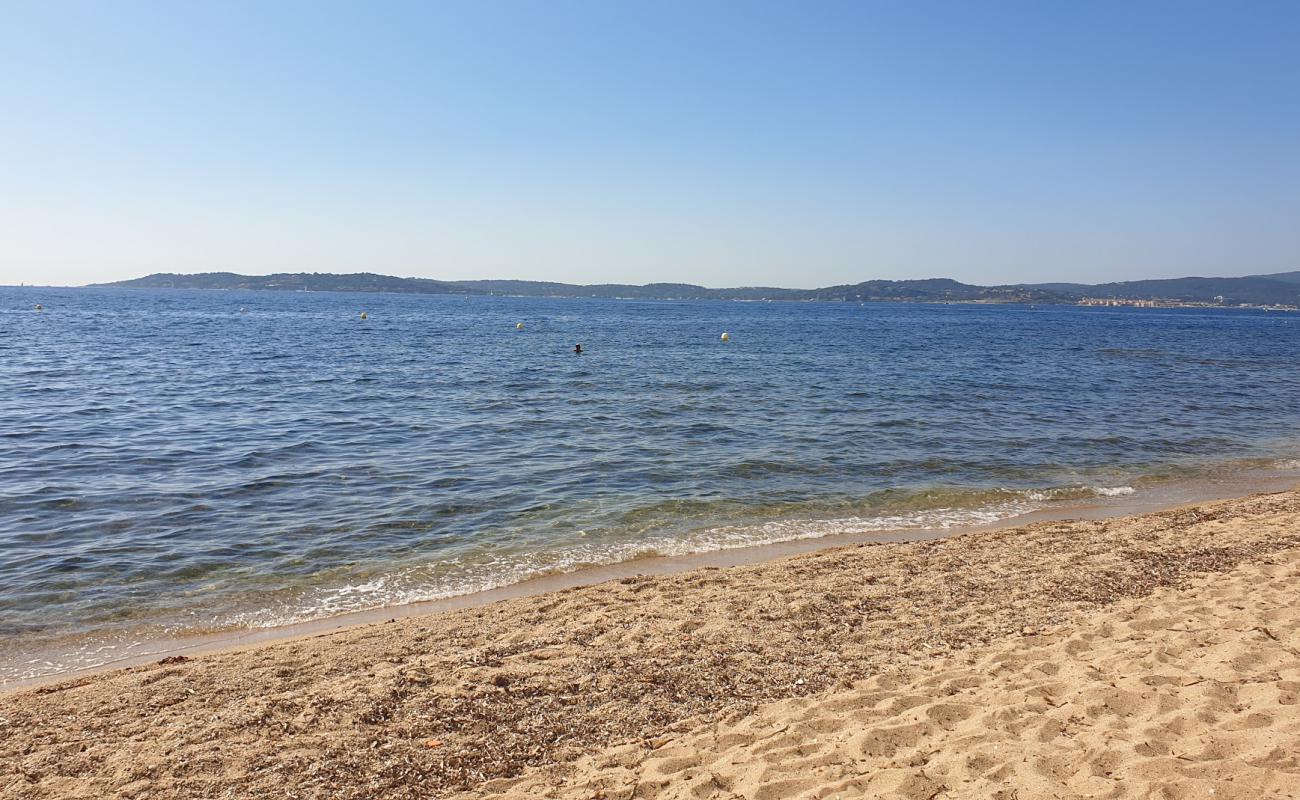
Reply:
x=1186, y=693
x=1149, y=656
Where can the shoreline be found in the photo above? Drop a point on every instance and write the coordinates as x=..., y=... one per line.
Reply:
x=1059, y=302
x=1162, y=497
x=477, y=699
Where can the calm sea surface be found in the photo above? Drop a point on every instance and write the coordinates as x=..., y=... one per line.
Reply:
x=169, y=464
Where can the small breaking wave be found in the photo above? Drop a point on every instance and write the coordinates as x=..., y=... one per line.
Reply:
x=935, y=509
x=1115, y=491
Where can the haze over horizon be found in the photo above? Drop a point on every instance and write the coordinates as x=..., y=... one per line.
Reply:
x=724, y=145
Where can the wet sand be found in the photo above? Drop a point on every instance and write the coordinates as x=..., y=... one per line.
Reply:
x=1162, y=496
x=793, y=677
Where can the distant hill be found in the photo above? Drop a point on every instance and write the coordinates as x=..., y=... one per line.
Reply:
x=927, y=290
x=935, y=290
x=295, y=281
x=1285, y=277
x=1282, y=288
x=1278, y=289
x=650, y=291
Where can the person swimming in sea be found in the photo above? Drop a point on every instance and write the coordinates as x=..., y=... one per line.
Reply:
x=577, y=348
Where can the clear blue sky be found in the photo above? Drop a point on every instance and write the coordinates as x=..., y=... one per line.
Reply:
x=795, y=144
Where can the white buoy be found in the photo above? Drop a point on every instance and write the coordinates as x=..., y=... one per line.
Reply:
x=365, y=315
x=243, y=310
x=519, y=326
x=726, y=337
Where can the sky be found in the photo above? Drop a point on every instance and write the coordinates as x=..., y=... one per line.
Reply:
x=794, y=144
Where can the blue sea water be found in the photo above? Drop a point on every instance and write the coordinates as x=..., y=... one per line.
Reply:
x=170, y=463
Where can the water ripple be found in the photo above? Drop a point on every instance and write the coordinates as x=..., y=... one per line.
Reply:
x=167, y=463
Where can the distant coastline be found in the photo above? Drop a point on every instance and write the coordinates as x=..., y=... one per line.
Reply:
x=1280, y=291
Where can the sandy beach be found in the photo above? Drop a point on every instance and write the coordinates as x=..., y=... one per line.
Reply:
x=1147, y=656
x=649, y=401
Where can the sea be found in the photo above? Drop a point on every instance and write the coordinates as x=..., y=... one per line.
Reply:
x=177, y=463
